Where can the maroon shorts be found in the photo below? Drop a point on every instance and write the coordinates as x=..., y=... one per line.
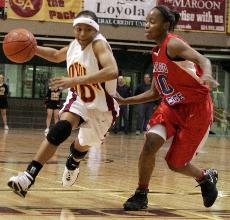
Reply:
x=188, y=123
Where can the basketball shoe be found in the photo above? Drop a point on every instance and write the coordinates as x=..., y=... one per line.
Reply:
x=6, y=127
x=21, y=183
x=137, y=201
x=208, y=187
x=71, y=172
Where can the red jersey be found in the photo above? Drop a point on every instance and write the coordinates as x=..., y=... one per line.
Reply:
x=177, y=81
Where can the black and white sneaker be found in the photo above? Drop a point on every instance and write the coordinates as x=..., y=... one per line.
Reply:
x=208, y=187
x=71, y=172
x=21, y=183
x=137, y=201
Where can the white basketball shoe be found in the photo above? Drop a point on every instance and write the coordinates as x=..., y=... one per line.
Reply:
x=69, y=177
x=21, y=183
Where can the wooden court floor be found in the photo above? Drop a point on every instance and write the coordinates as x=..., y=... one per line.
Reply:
x=108, y=176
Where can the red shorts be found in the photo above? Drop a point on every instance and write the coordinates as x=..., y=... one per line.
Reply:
x=188, y=123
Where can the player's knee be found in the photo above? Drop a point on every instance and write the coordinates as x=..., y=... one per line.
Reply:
x=76, y=153
x=60, y=132
x=152, y=143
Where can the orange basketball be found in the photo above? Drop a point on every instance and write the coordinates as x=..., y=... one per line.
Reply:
x=19, y=45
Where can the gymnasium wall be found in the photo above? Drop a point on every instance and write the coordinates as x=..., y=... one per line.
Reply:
x=113, y=33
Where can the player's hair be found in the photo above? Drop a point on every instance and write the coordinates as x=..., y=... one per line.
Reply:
x=87, y=13
x=169, y=15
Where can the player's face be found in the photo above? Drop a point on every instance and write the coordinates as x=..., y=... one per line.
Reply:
x=155, y=27
x=84, y=34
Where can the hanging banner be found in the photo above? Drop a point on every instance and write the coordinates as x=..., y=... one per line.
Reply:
x=44, y=10
x=196, y=15
x=120, y=12
x=199, y=15
x=229, y=17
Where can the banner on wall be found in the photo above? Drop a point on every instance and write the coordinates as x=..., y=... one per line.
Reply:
x=229, y=17
x=120, y=12
x=44, y=10
x=196, y=15
x=199, y=15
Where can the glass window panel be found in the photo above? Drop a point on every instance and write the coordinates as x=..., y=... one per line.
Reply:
x=42, y=81
x=43, y=75
x=27, y=81
x=13, y=75
x=60, y=71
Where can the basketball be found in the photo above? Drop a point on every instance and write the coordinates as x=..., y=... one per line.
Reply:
x=19, y=45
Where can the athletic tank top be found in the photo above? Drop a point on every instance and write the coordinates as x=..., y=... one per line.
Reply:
x=177, y=81
x=84, y=62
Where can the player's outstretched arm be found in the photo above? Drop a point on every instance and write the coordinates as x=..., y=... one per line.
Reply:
x=52, y=54
x=108, y=69
x=150, y=95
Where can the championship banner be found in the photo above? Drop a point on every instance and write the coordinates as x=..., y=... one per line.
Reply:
x=199, y=15
x=44, y=10
x=120, y=12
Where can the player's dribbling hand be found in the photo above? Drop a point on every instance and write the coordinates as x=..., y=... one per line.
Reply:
x=209, y=81
x=61, y=83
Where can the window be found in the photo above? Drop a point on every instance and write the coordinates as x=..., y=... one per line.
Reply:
x=43, y=75
x=30, y=81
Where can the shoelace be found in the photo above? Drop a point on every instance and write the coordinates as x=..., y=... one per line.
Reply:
x=209, y=179
x=69, y=174
x=137, y=196
x=24, y=181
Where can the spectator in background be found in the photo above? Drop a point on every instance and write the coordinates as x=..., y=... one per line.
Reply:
x=124, y=91
x=53, y=105
x=4, y=91
x=145, y=110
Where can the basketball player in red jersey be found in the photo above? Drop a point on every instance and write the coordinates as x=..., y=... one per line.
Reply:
x=181, y=78
x=90, y=105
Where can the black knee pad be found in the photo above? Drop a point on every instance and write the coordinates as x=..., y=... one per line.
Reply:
x=77, y=154
x=59, y=133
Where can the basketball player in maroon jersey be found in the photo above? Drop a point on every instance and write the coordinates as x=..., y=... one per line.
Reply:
x=89, y=105
x=181, y=78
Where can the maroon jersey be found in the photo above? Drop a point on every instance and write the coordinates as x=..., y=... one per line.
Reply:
x=177, y=81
